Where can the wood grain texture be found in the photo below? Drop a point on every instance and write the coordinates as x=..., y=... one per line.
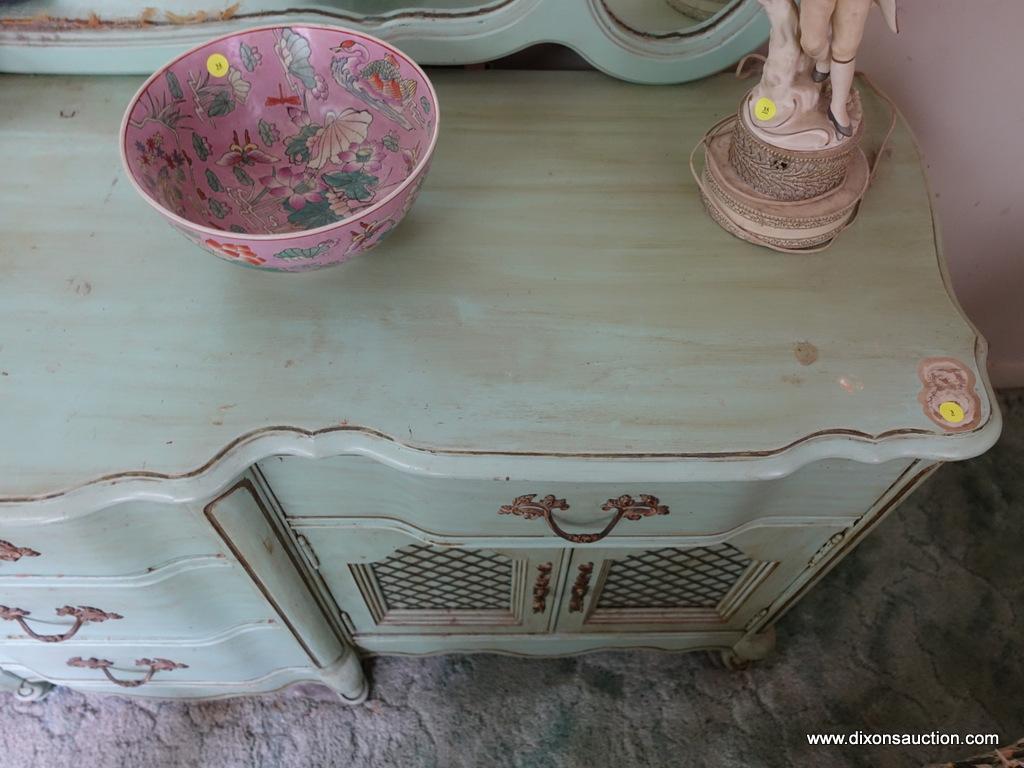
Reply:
x=557, y=291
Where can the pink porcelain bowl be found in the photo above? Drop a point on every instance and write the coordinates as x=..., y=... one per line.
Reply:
x=283, y=148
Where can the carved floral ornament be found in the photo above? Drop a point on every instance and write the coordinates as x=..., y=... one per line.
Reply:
x=580, y=587
x=542, y=587
x=948, y=395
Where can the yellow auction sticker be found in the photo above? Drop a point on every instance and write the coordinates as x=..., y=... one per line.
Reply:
x=952, y=412
x=765, y=109
x=217, y=64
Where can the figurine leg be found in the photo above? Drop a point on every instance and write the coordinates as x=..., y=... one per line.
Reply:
x=848, y=24
x=24, y=690
x=815, y=22
x=345, y=676
x=750, y=648
x=842, y=84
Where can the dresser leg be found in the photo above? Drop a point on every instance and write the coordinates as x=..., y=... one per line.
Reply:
x=750, y=648
x=24, y=690
x=346, y=678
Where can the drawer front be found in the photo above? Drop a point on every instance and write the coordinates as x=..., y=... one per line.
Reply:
x=115, y=541
x=192, y=598
x=360, y=488
x=247, y=655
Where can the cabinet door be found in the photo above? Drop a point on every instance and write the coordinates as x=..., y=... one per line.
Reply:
x=714, y=584
x=389, y=582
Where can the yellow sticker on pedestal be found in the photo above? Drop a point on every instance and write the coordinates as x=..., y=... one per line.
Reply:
x=765, y=109
x=952, y=412
x=217, y=64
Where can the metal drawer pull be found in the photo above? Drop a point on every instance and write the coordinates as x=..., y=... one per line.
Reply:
x=541, y=588
x=529, y=507
x=83, y=615
x=155, y=665
x=13, y=554
x=580, y=588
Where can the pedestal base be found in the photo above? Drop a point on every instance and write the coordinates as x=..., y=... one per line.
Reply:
x=797, y=225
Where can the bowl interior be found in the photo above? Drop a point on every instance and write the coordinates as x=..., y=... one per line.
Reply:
x=280, y=130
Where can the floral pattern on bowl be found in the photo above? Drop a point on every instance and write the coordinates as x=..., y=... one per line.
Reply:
x=283, y=148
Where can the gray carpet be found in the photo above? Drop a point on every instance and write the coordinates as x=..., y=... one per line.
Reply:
x=920, y=629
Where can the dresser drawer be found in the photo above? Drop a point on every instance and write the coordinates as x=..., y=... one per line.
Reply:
x=192, y=598
x=115, y=541
x=248, y=655
x=359, y=488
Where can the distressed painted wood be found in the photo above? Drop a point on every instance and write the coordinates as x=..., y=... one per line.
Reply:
x=169, y=688
x=554, y=644
x=241, y=516
x=354, y=563
x=97, y=543
x=340, y=487
x=557, y=317
x=216, y=584
x=774, y=557
x=244, y=518
x=244, y=657
x=566, y=297
x=642, y=41
x=191, y=598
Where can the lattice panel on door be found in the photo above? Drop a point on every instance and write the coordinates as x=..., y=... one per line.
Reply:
x=420, y=577
x=673, y=578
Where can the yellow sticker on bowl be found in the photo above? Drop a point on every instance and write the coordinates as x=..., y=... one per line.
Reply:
x=765, y=109
x=952, y=412
x=217, y=64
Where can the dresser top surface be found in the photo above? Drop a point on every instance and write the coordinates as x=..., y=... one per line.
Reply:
x=557, y=291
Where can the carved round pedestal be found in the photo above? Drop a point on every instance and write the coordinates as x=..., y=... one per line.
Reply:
x=743, y=211
x=789, y=174
x=782, y=197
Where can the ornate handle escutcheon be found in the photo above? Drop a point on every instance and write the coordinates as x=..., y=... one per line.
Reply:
x=541, y=588
x=581, y=587
x=155, y=665
x=83, y=615
x=529, y=507
x=13, y=554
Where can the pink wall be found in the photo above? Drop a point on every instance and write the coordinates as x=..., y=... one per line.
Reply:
x=955, y=70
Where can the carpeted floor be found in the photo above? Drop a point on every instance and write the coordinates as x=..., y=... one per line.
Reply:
x=921, y=629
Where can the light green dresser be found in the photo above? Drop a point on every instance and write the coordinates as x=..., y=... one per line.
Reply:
x=559, y=411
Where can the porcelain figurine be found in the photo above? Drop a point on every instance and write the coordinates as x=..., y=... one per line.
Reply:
x=788, y=172
x=786, y=80
x=830, y=33
x=808, y=46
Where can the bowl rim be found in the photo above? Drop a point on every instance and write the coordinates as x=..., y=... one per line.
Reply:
x=280, y=236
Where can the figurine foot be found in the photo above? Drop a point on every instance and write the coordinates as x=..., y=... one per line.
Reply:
x=818, y=76
x=842, y=130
